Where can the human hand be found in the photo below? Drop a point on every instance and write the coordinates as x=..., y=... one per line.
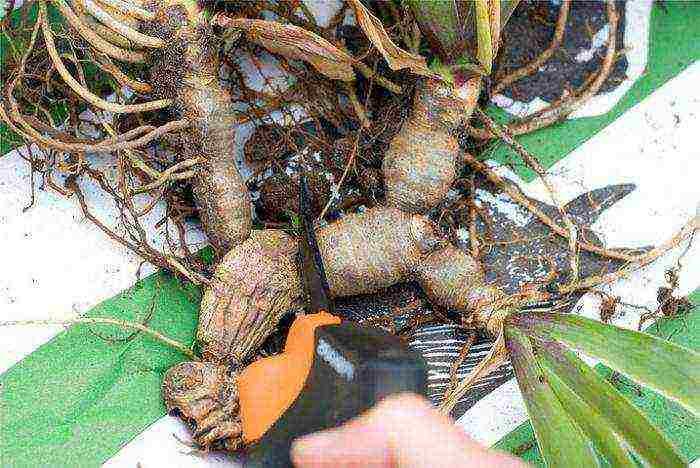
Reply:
x=402, y=431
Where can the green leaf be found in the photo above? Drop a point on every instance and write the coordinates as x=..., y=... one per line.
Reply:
x=484, y=49
x=443, y=25
x=561, y=441
x=667, y=368
x=599, y=408
x=609, y=444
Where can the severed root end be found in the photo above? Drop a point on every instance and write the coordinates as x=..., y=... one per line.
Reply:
x=205, y=397
x=490, y=317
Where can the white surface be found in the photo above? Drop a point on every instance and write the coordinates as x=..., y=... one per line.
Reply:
x=654, y=146
x=158, y=446
x=57, y=263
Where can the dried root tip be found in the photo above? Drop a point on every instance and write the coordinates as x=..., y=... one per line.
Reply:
x=205, y=397
x=253, y=286
x=491, y=307
x=363, y=253
x=420, y=164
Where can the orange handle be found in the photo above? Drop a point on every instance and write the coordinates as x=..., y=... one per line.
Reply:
x=269, y=386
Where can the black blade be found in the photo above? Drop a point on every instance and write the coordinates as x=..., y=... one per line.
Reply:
x=312, y=273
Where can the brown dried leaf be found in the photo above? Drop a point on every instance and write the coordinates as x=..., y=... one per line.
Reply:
x=295, y=43
x=396, y=57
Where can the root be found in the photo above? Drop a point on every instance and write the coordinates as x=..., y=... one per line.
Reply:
x=639, y=261
x=107, y=145
x=130, y=9
x=535, y=165
x=80, y=89
x=122, y=78
x=350, y=162
x=128, y=32
x=95, y=39
x=516, y=195
x=171, y=174
x=559, y=110
x=496, y=357
x=458, y=362
x=106, y=33
x=532, y=67
x=120, y=323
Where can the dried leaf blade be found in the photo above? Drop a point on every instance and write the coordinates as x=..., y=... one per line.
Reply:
x=295, y=43
x=396, y=57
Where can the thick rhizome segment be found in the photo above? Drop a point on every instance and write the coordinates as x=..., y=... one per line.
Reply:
x=421, y=162
x=257, y=282
x=187, y=70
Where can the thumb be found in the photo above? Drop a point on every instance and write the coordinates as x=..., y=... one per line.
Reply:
x=402, y=431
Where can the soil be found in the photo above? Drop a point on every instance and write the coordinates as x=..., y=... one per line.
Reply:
x=530, y=31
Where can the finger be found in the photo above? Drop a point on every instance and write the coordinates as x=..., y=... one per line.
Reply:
x=404, y=431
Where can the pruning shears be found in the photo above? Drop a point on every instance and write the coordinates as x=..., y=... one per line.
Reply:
x=329, y=372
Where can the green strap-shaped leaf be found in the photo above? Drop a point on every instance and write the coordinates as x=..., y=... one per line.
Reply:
x=609, y=444
x=672, y=370
x=599, y=408
x=561, y=441
x=443, y=24
x=484, y=47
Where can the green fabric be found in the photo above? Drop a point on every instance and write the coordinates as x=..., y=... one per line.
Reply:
x=77, y=399
x=678, y=424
